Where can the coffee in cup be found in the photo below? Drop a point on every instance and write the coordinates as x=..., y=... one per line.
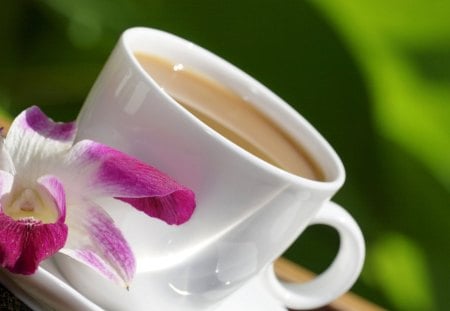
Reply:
x=230, y=115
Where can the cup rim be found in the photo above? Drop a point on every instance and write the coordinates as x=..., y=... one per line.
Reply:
x=321, y=151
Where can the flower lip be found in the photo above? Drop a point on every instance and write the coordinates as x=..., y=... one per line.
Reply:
x=26, y=242
x=45, y=202
x=27, y=203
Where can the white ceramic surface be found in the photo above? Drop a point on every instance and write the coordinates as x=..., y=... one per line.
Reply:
x=47, y=290
x=248, y=211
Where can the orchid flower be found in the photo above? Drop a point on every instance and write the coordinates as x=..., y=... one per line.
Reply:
x=48, y=192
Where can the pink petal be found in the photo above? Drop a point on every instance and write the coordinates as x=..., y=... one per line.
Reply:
x=112, y=173
x=34, y=120
x=27, y=242
x=33, y=139
x=98, y=243
x=163, y=207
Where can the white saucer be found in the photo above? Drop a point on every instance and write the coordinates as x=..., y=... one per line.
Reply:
x=47, y=289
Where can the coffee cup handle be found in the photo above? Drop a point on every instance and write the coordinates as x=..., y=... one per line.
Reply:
x=339, y=276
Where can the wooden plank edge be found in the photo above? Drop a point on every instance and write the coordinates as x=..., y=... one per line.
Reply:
x=290, y=272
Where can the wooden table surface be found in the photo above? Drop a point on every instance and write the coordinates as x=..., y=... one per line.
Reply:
x=291, y=272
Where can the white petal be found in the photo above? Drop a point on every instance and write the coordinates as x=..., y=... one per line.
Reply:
x=34, y=140
x=6, y=163
x=95, y=241
x=6, y=183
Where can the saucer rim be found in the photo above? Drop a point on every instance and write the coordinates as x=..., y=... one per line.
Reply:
x=60, y=287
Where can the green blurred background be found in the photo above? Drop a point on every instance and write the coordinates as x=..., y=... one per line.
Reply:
x=372, y=76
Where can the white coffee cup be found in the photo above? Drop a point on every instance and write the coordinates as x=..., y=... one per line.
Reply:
x=248, y=211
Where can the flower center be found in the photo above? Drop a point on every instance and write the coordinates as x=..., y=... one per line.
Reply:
x=32, y=204
x=27, y=201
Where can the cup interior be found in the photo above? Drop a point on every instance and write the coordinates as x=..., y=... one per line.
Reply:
x=180, y=51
